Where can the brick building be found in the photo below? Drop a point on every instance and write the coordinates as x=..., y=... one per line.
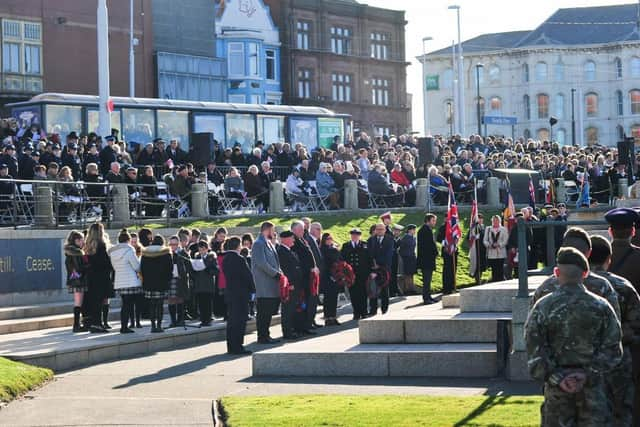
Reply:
x=345, y=56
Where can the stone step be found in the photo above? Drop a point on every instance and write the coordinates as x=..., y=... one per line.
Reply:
x=494, y=297
x=336, y=356
x=12, y=326
x=51, y=309
x=434, y=328
x=451, y=301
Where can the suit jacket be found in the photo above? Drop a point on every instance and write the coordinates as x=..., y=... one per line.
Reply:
x=290, y=264
x=407, y=251
x=381, y=253
x=239, y=278
x=358, y=258
x=501, y=238
x=265, y=269
x=307, y=261
x=625, y=259
x=315, y=249
x=427, y=249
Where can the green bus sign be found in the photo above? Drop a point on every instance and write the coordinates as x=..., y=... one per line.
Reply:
x=327, y=129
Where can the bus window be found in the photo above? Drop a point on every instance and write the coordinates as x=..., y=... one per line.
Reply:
x=174, y=125
x=271, y=129
x=63, y=119
x=241, y=130
x=93, y=120
x=138, y=125
x=213, y=123
x=304, y=131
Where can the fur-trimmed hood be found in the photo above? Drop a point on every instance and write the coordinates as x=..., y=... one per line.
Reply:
x=155, y=251
x=73, y=250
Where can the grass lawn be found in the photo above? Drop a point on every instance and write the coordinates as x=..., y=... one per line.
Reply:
x=17, y=378
x=360, y=411
x=339, y=224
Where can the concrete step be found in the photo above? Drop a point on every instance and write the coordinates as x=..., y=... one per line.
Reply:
x=451, y=301
x=336, y=356
x=51, y=309
x=494, y=297
x=12, y=326
x=434, y=328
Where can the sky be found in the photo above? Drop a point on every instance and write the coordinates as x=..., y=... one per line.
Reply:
x=431, y=18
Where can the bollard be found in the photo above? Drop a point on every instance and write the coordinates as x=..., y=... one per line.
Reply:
x=623, y=188
x=199, y=200
x=276, y=197
x=422, y=188
x=351, y=194
x=120, y=197
x=561, y=192
x=493, y=191
x=43, y=206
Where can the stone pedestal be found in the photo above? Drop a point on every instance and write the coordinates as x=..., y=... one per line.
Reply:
x=351, y=194
x=276, y=197
x=422, y=193
x=561, y=193
x=43, y=206
x=120, y=198
x=623, y=187
x=493, y=191
x=199, y=200
x=517, y=364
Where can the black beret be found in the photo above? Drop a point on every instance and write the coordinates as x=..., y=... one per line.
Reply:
x=286, y=233
x=4, y=166
x=621, y=217
x=571, y=256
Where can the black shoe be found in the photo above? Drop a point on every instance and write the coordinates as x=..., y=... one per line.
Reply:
x=336, y=323
x=126, y=331
x=131, y=326
x=243, y=351
x=291, y=337
x=156, y=330
x=308, y=332
x=138, y=325
x=268, y=340
x=172, y=325
x=97, y=329
x=204, y=324
x=316, y=325
x=106, y=326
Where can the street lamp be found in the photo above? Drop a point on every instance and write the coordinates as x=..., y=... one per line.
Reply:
x=461, y=121
x=450, y=115
x=573, y=118
x=478, y=67
x=424, y=82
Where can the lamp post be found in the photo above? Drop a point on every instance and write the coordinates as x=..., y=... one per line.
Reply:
x=132, y=66
x=102, y=29
x=424, y=83
x=460, y=106
x=450, y=115
x=573, y=118
x=478, y=67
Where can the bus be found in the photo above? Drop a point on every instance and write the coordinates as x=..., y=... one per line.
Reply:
x=141, y=120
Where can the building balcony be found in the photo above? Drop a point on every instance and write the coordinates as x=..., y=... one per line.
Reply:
x=20, y=84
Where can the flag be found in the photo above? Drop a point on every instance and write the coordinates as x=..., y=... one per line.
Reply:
x=548, y=192
x=473, y=232
x=510, y=211
x=584, y=199
x=532, y=194
x=452, y=228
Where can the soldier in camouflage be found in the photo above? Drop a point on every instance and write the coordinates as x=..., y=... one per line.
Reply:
x=620, y=381
x=577, y=238
x=573, y=340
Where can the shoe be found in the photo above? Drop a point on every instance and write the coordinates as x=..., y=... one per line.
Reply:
x=329, y=322
x=316, y=325
x=172, y=325
x=336, y=323
x=131, y=326
x=106, y=325
x=138, y=325
x=291, y=337
x=97, y=329
x=243, y=351
x=267, y=340
x=308, y=332
x=204, y=324
x=356, y=317
x=156, y=330
x=126, y=331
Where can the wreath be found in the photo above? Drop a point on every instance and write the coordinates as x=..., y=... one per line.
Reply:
x=377, y=281
x=343, y=274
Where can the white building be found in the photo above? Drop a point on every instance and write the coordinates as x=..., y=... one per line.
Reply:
x=592, y=53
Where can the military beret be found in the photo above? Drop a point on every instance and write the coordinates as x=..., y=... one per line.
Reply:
x=132, y=169
x=10, y=147
x=355, y=231
x=110, y=138
x=286, y=234
x=571, y=256
x=621, y=217
x=4, y=166
x=411, y=227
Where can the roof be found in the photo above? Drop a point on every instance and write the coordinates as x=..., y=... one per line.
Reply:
x=566, y=27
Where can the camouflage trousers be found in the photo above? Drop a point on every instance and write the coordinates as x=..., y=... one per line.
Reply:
x=589, y=408
x=621, y=389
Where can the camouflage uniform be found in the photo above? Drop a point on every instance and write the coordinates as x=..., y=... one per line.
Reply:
x=620, y=381
x=568, y=330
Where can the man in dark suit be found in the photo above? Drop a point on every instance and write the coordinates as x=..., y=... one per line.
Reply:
x=380, y=247
x=238, y=294
x=427, y=254
x=307, y=265
x=290, y=265
x=177, y=155
x=107, y=156
x=312, y=235
x=356, y=254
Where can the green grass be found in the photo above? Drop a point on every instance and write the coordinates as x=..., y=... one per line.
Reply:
x=360, y=411
x=17, y=378
x=340, y=223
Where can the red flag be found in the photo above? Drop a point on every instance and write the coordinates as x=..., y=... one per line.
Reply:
x=452, y=228
x=473, y=221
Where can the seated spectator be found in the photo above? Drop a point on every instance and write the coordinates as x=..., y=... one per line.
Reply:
x=306, y=174
x=377, y=182
x=266, y=174
x=294, y=184
x=439, y=186
x=177, y=155
x=398, y=176
x=233, y=184
x=114, y=176
x=254, y=187
x=145, y=157
x=237, y=158
x=325, y=186
x=213, y=174
x=149, y=193
x=255, y=158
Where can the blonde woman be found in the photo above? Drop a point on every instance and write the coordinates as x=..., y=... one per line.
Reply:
x=99, y=278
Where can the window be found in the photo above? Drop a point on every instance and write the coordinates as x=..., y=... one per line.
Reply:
x=527, y=107
x=543, y=134
x=589, y=71
x=304, y=131
x=380, y=92
x=543, y=106
x=93, y=120
x=191, y=77
x=382, y=131
x=341, y=87
x=634, y=97
x=542, y=72
x=340, y=40
x=447, y=78
x=174, y=125
x=495, y=106
x=237, y=99
x=525, y=73
x=11, y=57
x=213, y=123
x=304, y=83
x=591, y=135
x=380, y=44
x=635, y=131
x=617, y=64
x=619, y=103
x=591, y=104
x=255, y=99
x=561, y=136
x=302, y=37
x=254, y=68
x=494, y=74
x=558, y=71
x=63, y=119
x=21, y=47
x=558, y=106
x=271, y=129
x=241, y=131
x=138, y=125
x=271, y=64
x=635, y=67
x=235, y=58
x=32, y=59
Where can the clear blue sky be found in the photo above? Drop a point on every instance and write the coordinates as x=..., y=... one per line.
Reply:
x=432, y=18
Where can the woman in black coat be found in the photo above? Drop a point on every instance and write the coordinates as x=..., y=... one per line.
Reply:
x=330, y=255
x=204, y=272
x=179, y=290
x=99, y=278
x=76, y=264
x=156, y=267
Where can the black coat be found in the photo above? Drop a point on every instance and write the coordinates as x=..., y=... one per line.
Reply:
x=204, y=281
x=382, y=254
x=330, y=256
x=107, y=156
x=156, y=268
x=427, y=249
x=290, y=265
x=307, y=260
x=358, y=258
x=74, y=262
x=239, y=278
x=181, y=260
x=407, y=251
x=100, y=273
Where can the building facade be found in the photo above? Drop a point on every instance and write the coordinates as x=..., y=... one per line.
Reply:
x=348, y=57
x=575, y=67
x=249, y=41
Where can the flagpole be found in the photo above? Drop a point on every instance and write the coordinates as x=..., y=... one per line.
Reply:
x=477, y=226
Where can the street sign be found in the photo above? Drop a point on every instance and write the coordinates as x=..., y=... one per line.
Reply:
x=500, y=120
x=433, y=82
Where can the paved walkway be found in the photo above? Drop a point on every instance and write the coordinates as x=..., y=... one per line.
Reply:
x=177, y=387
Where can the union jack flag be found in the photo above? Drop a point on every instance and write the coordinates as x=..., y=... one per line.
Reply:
x=452, y=228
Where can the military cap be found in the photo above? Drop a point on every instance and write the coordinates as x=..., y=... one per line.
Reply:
x=131, y=169
x=386, y=215
x=571, y=256
x=35, y=154
x=28, y=147
x=561, y=205
x=110, y=138
x=621, y=217
x=411, y=227
x=286, y=233
x=548, y=206
x=355, y=231
x=398, y=227
x=72, y=146
x=4, y=166
x=92, y=145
